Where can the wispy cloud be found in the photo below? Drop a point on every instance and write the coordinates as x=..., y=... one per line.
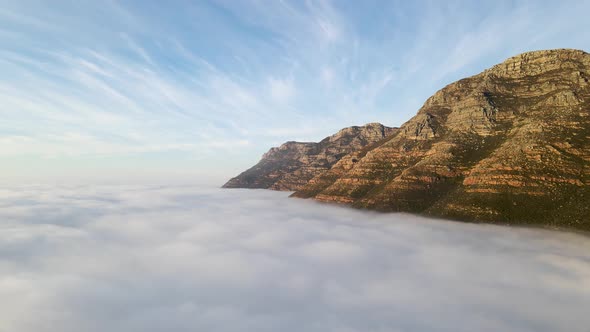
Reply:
x=282, y=90
x=134, y=76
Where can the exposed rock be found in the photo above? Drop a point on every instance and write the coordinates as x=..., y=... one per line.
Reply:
x=290, y=166
x=509, y=145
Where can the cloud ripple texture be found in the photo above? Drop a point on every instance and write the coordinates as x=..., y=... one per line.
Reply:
x=157, y=258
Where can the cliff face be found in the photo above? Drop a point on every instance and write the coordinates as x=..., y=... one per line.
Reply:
x=290, y=166
x=509, y=145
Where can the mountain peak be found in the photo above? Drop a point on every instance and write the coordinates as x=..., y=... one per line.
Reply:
x=537, y=62
x=508, y=145
x=291, y=165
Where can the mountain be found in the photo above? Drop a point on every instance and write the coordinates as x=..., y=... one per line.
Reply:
x=510, y=145
x=291, y=165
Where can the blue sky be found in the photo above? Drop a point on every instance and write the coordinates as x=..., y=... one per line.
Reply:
x=196, y=91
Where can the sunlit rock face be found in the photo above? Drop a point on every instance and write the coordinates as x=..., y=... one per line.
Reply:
x=291, y=165
x=509, y=145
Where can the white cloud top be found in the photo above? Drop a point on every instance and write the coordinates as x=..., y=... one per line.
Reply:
x=138, y=258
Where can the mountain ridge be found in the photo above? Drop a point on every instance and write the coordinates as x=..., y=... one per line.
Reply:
x=508, y=145
x=289, y=166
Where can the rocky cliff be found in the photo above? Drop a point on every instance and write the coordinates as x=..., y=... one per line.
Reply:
x=290, y=166
x=509, y=145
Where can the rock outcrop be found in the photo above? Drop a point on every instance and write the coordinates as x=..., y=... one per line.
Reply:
x=509, y=145
x=290, y=166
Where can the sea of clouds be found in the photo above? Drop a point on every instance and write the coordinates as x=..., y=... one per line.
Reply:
x=147, y=258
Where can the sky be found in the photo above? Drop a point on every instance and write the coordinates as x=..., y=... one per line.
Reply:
x=140, y=258
x=196, y=91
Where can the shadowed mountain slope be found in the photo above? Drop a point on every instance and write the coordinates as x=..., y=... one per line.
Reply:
x=291, y=165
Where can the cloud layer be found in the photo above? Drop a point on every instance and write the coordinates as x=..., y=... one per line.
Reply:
x=139, y=258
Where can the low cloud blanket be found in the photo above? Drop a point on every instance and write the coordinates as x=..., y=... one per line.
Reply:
x=146, y=258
